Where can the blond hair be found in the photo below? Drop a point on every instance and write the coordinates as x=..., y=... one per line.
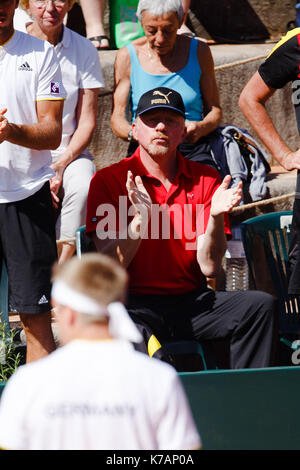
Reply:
x=25, y=4
x=95, y=275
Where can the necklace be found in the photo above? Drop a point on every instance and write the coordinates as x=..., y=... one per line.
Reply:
x=165, y=58
x=149, y=54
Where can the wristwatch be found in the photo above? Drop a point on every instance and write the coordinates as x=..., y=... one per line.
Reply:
x=129, y=137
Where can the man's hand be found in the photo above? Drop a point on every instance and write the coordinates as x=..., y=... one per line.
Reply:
x=141, y=202
x=224, y=199
x=4, y=126
x=291, y=160
x=193, y=131
x=56, y=182
x=211, y=245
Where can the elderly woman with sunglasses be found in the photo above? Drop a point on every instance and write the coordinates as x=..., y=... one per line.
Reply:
x=165, y=58
x=82, y=78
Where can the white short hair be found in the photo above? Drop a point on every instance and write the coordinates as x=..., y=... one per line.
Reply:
x=160, y=7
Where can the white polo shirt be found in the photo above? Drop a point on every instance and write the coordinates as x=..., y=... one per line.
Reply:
x=81, y=69
x=93, y=395
x=29, y=72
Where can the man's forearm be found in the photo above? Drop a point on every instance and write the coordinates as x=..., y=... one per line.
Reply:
x=125, y=246
x=38, y=136
x=261, y=122
x=122, y=250
x=252, y=102
x=211, y=246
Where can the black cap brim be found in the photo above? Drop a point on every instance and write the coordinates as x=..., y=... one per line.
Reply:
x=162, y=106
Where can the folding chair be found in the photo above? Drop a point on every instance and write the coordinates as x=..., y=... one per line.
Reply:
x=190, y=355
x=273, y=230
x=83, y=243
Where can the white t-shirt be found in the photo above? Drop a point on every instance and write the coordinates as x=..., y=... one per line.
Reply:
x=80, y=67
x=92, y=395
x=29, y=72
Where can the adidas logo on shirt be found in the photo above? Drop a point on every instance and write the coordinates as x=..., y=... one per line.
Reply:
x=25, y=67
x=43, y=300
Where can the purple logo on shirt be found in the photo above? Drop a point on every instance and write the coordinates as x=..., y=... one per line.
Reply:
x=54, y=87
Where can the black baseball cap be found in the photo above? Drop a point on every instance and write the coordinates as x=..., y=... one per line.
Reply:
x=161, y=97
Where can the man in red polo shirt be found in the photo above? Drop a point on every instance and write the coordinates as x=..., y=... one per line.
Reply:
x=165, y=219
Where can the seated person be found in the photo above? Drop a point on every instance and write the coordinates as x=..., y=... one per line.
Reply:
x=96, y=391
x=93, y=13
x=163, y=217
x=82, y=78
x=164, y=58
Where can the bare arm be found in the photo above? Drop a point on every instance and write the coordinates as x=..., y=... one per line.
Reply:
x=119, y=123
x=86, y=122
x=252, y=103
x=211, y=245
x=125, y=246
x=44, y=134
x=210, y=94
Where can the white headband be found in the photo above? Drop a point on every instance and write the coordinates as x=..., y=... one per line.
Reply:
x=120, y=324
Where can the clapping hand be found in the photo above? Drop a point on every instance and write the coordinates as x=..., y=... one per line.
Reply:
x=137, y=193
x=141, y=202
x=224, y=198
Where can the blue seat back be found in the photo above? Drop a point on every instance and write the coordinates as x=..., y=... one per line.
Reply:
x=84, y=244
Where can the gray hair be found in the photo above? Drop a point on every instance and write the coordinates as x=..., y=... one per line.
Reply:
x=160, y=7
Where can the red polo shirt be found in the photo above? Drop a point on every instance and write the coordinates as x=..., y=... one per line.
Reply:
x=165, y=262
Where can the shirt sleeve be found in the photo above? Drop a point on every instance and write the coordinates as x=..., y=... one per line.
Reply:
x=104, y=204
x=91, y=72
x=50, y=86
x=282, y=64
x=176, y=427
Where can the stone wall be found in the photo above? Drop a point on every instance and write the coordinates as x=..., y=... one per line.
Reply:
x=233, y=21
x=237, y=20
x=241, y=20
x=105, y=146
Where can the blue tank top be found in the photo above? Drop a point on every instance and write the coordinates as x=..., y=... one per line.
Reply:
x=186, y=82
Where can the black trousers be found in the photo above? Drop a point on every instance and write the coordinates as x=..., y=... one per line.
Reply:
x=248, y=319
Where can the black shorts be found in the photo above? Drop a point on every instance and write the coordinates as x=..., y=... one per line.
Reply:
x=28, y=246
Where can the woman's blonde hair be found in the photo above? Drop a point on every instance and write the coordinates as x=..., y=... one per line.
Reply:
x=25, y=4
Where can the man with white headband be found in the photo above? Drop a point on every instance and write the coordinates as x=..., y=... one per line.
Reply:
x=96, y=391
